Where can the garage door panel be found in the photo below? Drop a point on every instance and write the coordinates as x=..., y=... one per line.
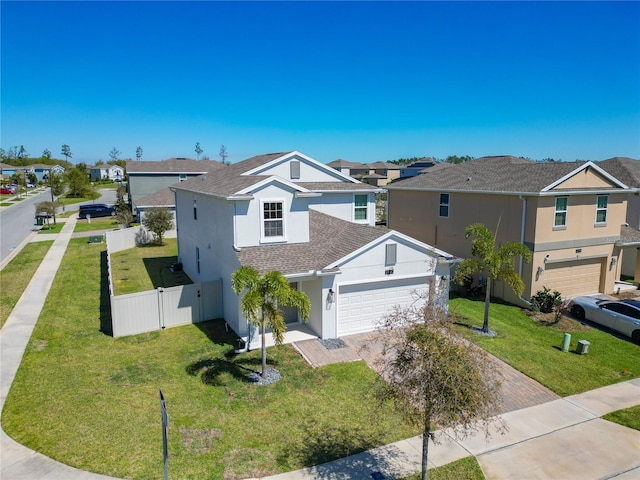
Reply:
x=361, y=306
x=573, y=278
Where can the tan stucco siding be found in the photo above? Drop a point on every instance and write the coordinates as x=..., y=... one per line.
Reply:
x=587, y=178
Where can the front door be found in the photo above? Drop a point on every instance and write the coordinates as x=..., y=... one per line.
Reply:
x=290, y=314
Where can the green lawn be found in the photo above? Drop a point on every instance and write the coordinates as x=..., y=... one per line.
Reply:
x=17, y=274
x=535, y=349
x=146, y=268
x=91, y=401
x=100, y=223
x=464, y=469
x=629, y=417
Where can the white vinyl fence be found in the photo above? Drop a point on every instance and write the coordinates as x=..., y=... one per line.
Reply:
x=161, y=308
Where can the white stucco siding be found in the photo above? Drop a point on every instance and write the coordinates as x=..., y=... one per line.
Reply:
x=248, y=217
x=341, y=205
x=313, y=290
x=309, y=171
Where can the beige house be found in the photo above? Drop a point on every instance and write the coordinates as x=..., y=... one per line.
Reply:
x=569, y=214
x=375, y=173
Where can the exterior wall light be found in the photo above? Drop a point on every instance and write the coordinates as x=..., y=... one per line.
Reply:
x=330, y=296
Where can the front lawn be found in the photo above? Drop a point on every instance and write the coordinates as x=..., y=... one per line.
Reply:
x=100, y=223
x=629, y=417
x=17, y=274
x=91, y=401
x=535, y=349
x=146, y=268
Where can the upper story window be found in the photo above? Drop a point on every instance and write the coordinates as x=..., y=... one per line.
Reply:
x=444, y=204
x=360, y=207
x=182, y=176
x=273, y=220
x=561, y=212
x=601, y=208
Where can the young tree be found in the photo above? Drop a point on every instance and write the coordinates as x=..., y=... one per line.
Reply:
x=114, y=154
x=56, y=182
x=138, y=153
x=123, y=212
x=198, y=150
x=434, y=377
x=223, y=154
x=78, y=182
x=48, y=209
x=158, y=220
x=66, y=151
x=261, y=302
x=494, y=263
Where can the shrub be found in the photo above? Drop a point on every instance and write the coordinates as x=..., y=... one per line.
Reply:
x=546, y=301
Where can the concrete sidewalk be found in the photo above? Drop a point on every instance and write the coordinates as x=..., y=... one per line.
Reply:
x=563, y=438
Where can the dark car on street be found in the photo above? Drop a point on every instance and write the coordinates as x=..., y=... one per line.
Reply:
x=96, y=210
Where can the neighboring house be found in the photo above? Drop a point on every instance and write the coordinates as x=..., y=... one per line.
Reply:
x=376, y=173
x=165, y=198
x=417, y=167
x=628, y=170
x=568, y=213
x=291, y=213
x=148, y=177
x=107, y=172
x=41, y=171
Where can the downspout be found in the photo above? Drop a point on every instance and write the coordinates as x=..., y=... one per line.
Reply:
x=522, y=231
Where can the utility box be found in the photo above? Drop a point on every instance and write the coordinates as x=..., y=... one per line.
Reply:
x=583, y=347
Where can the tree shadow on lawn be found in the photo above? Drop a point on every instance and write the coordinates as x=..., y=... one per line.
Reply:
x=214, y=369
x=348, y=450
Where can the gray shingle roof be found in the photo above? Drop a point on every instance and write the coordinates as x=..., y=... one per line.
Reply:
x=625, y=169
x=162, y=198
x=628, y=236
x=330, y=239
x=490, y=174
x=174, y=165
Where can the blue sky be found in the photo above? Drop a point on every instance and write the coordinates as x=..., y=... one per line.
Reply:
x=362, y=81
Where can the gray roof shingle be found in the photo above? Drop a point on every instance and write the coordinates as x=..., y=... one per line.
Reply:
x=162, y=198
x=330, y=239
x=174, y=165
x=625, y=169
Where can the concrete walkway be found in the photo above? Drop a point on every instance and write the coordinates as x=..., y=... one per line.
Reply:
x=563, y=438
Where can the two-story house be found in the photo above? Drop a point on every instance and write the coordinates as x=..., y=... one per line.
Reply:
x=568, y=213
x=291, y=213
x=107, y=172
x=375, y=173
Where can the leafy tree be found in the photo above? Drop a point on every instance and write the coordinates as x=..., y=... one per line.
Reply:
x=434, y=377
x=48, y=209
x=3, y=154
x=198, y=150
x=456, y=159
x=114, y=154
x=139, y=153
x=123, y=212
x=57, y=183
x=77, y=181
x=46, y=154
x=494, y=263
x=264, y=294
x=223, y=154
x=158, y=220
x=22, y=153
x=66, y=151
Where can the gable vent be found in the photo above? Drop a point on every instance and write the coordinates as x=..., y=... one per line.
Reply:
x=295, y=169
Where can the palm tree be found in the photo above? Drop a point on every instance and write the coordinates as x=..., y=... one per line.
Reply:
x=496, y=264
x=262, y=300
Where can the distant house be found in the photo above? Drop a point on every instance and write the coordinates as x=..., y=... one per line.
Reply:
x=41, y=171
x=569, y=214
x=107, y=172
x=314, y=224
x=148, y=177
x=164, y=198
x=417, y=167
x=376, y=173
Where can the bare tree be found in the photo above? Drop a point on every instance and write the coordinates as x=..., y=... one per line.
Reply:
x=223, y=154
x=434, y=377
x=66, y=151
x=198, y=150
x=114, y=154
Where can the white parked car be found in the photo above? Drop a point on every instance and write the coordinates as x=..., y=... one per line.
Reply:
x=620, y=315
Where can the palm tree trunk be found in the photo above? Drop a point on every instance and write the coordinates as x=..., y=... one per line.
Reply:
x=487, y=302
x=264, y=348
x=425, y=445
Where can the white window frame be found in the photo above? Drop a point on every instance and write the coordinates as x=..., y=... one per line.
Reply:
x=182, y=176
x=447, y=205
x=556, y=212
x=364, y=208
x=600, y=209
x=280, y=238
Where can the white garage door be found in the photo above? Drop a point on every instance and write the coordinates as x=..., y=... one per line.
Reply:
x=573, y=278
x=361, y=306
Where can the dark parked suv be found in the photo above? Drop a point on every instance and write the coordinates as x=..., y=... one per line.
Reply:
x=96, y=210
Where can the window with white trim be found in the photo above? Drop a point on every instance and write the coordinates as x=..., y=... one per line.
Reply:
x=561, y=212
x=273, y=219
x=182, y=177
x=444, y=205
x=360, y=207
x=601, y=208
